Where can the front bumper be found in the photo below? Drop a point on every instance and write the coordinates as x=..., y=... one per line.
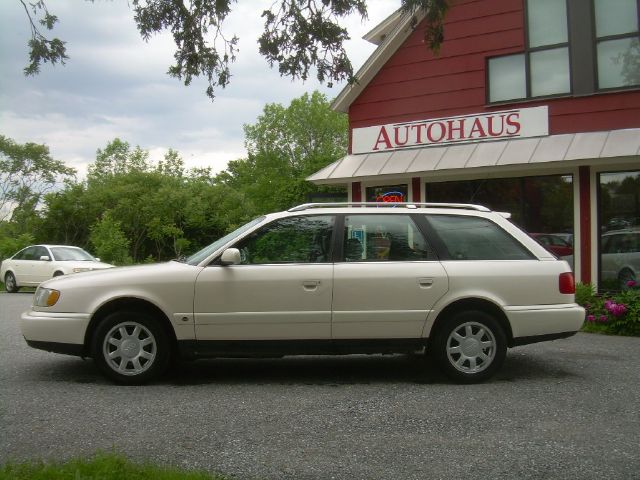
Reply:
x=49, y=327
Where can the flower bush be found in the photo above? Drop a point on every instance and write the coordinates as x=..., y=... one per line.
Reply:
x=616, y=313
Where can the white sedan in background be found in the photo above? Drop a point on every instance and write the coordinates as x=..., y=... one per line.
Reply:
x=33, y=265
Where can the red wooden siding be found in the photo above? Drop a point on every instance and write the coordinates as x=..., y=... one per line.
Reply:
x=415, y=85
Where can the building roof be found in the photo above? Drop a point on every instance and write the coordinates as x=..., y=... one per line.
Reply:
x=389, y=36
x=541, y=151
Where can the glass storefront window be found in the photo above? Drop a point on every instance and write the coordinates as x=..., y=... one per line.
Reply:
x=619, y=216
x=542, y=206
x=389, y=193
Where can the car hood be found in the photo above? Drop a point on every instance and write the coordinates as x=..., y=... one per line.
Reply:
x=89, y=265
x=119, y=276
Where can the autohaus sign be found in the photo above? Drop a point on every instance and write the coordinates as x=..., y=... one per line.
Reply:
x=519, y=123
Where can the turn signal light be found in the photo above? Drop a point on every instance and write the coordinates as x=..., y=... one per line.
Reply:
x=567, y=283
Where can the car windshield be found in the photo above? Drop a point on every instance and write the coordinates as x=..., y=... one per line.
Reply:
x=66, y=254
x=198, y=257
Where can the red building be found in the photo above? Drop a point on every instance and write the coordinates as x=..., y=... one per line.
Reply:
x=530, y=107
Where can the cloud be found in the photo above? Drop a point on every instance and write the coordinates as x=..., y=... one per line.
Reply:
x=115, y=85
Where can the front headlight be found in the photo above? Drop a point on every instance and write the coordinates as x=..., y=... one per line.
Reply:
x=46, y=297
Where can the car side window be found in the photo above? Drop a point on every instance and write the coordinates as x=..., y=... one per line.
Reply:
x=29, y=254
x=475, y=238
x=375, y=238
x=20, y=255
x=304, y=239
x=41, y=252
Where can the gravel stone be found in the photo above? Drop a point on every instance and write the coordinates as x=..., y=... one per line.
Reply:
x=566, y=409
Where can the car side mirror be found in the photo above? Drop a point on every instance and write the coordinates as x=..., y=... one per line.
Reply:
x=231, y=256
x=45, y=258
x=97, y=259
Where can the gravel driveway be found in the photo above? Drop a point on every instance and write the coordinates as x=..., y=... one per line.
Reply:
x=567, y=409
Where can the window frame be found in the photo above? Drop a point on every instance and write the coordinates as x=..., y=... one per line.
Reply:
x=595, y=41
x=582, y=42
x=443, y=251
x=332, y=242
x=416, y=220
x=528, y=50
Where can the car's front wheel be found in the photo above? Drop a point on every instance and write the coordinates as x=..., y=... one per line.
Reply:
x=131, y=347
x=470, y=347
x=10, y=283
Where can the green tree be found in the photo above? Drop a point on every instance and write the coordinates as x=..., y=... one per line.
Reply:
x=11, y=243
x=109, y=241
x=298, y=35
x=163, y=211
x=27, y=172
x=286, y=145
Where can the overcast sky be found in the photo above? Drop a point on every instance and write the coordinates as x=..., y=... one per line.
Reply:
x=115, y=85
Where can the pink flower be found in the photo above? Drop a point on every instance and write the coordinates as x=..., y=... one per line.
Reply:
x=631, y=283
x=591, y=318
x=604, y=318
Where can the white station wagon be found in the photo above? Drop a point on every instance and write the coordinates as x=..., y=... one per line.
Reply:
x=458, y=281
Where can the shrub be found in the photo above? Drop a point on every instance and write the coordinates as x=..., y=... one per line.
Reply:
x=616, y=313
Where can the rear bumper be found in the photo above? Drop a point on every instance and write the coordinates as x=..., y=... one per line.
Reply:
x=552, y=321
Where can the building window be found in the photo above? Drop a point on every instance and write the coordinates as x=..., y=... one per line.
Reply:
x=618, y=44
x=389, y=193
x=543, y=69
x=588, y=47
x=619, y=217
x=542, y=206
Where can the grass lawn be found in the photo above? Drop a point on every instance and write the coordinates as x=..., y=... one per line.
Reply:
x=102, y=466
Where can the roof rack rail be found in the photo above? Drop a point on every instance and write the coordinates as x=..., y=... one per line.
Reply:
x=410, y=205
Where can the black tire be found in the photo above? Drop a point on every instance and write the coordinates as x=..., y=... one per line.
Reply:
x=10, y=284
x=624, y=277
x=58, y=274
x=470, y=347
x=142, y=356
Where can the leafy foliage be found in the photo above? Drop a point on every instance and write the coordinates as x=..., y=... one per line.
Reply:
x=614, y=313
x=286, y=145
x=302, y=34
x=298, y=35
x=130, y=209
x=27, y=172
x=42, y=49
x=109, y=241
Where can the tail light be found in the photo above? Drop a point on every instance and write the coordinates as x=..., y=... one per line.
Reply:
x=567, y=283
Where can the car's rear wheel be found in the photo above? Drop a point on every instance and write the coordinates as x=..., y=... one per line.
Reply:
x=131, y=347
x=627, y=279
x=470, y=347
x=10, y=283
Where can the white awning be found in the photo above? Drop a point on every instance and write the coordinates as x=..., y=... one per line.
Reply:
x=548, y=150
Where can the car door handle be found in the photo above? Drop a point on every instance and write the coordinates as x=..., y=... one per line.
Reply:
x=311, y=285
x=425, y=282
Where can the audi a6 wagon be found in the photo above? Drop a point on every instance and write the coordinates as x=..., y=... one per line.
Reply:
x=460, y=283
